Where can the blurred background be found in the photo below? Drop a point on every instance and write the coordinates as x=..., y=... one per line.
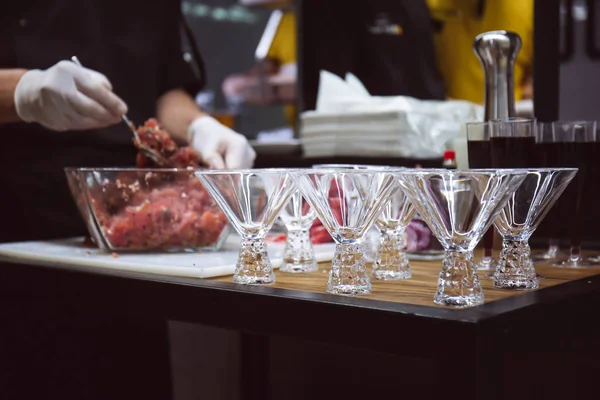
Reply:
x=385, y=81
x=228, y=33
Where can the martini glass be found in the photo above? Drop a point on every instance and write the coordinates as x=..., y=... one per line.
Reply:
x=578, y=149
x=347, y=202
x=252, y=200
x=390, y=261
x=523, y=212
x=459, y=206
x=548, y=151
x=298, y=217
x=373, y=235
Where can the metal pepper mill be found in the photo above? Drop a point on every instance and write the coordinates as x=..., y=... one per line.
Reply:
x=497, y=51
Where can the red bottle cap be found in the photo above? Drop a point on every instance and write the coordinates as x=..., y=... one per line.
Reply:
x=449, y=155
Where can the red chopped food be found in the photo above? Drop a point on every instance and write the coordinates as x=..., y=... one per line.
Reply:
x=318, y=235
x=151, y=137
x=163, y=211
x=115, y=255
x=155, y=210
x=277, y=238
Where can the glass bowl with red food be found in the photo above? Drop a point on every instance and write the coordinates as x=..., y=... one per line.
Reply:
x=149, y=208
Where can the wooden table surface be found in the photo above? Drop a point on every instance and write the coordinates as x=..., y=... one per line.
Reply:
x=419, y=290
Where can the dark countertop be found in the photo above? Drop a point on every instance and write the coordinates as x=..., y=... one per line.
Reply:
x=558, y=320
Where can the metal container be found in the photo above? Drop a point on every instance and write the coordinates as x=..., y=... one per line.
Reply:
x=497, y=51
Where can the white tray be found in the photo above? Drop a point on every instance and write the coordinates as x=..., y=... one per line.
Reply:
x=72, y=253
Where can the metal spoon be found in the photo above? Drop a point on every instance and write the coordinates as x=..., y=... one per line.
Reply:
x=151, y=153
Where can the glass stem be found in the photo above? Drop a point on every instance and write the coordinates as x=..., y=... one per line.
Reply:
x=390, y=260
x=553, y=248
x=253, y=266
x=299, y=254
x=575, y=252
x=348, y=270
x=487, y=263
x=515, y=269
x=488, y=243
x=458, y=284
x=367, y=245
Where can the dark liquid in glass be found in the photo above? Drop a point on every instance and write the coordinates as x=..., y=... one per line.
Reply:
x=594, y=190
x=479, y=154
x=590, y=192
x=480, y=157
x=513, y=152
x=548, y=156
x=575, y=155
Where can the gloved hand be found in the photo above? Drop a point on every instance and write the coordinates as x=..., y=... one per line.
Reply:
x=67, y=97
x=219, y=146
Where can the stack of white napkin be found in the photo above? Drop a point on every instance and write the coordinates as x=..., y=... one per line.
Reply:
x=348, y=121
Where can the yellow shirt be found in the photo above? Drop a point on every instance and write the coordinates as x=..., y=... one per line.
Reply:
x=283, y=49
x=458, y=63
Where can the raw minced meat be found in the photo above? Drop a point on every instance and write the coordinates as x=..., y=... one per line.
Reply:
x=155, y=210
x=172, y=215
x=151, y=136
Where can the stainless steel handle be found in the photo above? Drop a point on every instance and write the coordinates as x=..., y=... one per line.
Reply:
x=497, y=51
x=268, y=36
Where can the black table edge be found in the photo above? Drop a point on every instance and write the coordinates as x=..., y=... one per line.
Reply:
x=468, y=315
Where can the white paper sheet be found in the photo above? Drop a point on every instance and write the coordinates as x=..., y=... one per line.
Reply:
x=72, y=253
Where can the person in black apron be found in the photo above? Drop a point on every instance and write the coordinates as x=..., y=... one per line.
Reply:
x=64, y=115
x=387, y=44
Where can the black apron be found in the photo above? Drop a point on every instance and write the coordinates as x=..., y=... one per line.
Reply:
x=34, y=183
x=387, y=44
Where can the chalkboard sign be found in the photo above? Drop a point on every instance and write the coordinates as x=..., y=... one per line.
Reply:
x=227, y=35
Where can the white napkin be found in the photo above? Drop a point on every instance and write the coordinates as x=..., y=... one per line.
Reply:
x=357, y=85
x=418, y=128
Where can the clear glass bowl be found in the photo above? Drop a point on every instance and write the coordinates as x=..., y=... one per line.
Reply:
x=147, y=210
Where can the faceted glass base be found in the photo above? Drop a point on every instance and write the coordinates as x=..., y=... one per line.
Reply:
x=458, y=301
x=487, y=264
x=348, y=271
x=350, y=290
x=254, y=280
x=458, y=284
x=391, y=262
x=388, y=275
x=510, y=281
x=491, y=276
x=515, y=269
x=299, y=255
x=299, y=268
x=253, y=266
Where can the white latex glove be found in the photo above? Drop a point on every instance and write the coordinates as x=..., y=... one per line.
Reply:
x=219, y=146
x=67, y=97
